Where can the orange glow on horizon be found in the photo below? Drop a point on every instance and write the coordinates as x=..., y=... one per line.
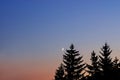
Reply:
x=24, y=71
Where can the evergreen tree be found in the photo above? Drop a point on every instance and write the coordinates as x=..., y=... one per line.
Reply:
x=116, y=69
x=105, y=62
x=116, y=63
x=59, y=75
x=73, y=64
x=101, y=68
x=93, y=69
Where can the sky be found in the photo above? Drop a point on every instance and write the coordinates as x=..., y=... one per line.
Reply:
x=33, y=32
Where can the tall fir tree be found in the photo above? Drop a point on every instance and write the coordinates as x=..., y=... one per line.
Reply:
x=105, y=62
x=73, y=64
x=93, y=69
x=59, y=75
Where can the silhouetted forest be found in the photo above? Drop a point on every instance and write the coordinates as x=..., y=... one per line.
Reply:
x=102, y=66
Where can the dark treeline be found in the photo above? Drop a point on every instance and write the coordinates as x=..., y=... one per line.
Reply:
x=102, y=66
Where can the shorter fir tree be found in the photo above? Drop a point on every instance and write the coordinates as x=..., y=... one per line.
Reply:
x=116, y=63
x=93, y=69
x=59, y=75
x=116, y=69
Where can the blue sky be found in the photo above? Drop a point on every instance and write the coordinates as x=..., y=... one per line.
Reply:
x=33, y=32
x=32, y=28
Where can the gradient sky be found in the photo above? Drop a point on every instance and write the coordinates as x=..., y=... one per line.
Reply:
x=33, y=32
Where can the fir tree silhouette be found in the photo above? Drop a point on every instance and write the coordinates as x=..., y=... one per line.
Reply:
x=102, y=67
x=93, y=69
x=116, y=69
x=59, y=75
x=105, y=62
x=73, y=64
x=116, y=63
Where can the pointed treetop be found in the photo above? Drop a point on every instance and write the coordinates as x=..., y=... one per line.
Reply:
x=71, y=46
x=106, y=44
x=93, y=53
